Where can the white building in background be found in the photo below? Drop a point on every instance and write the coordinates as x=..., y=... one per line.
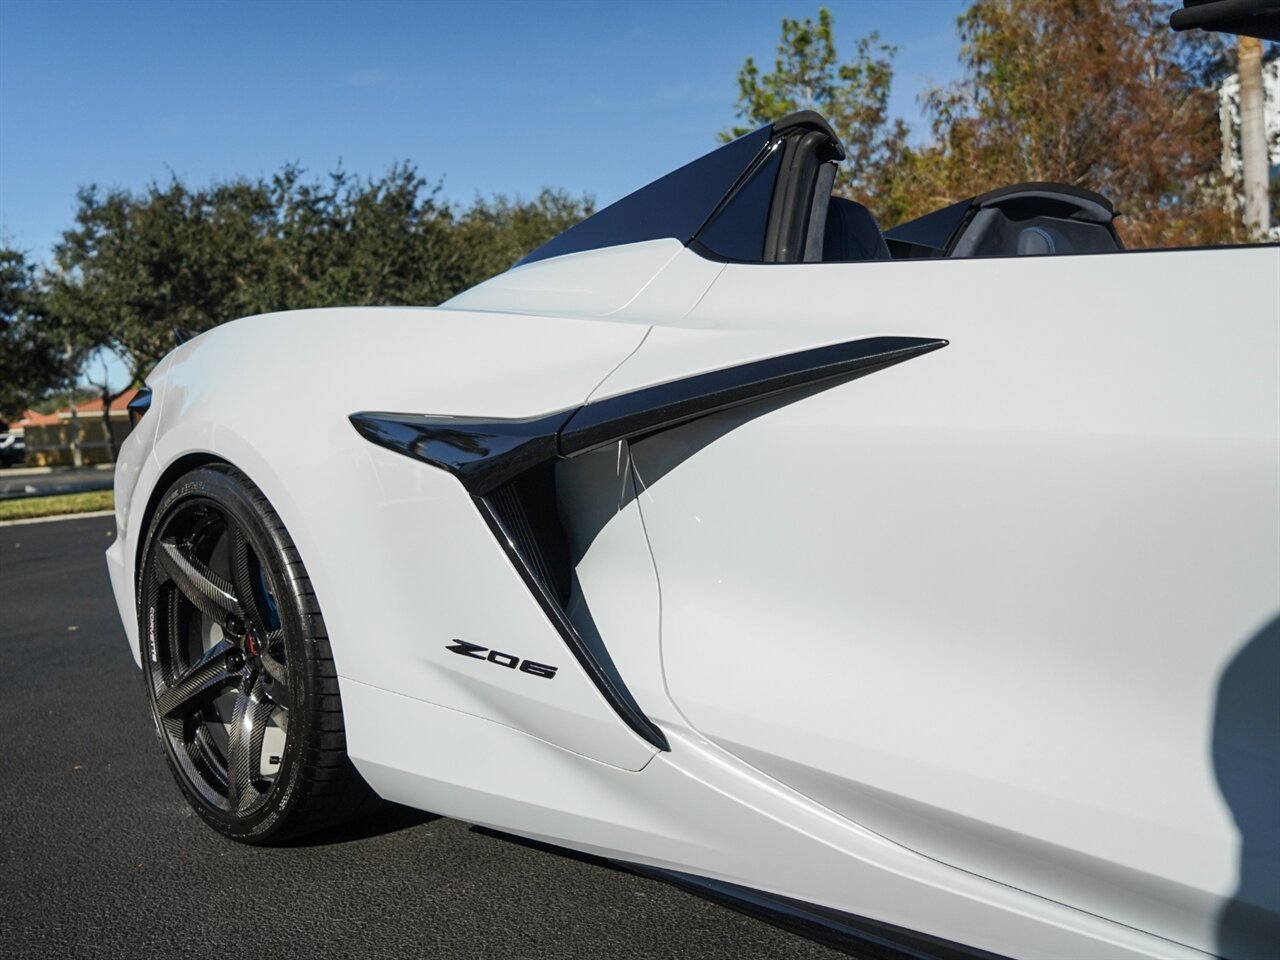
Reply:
x=1229, y=119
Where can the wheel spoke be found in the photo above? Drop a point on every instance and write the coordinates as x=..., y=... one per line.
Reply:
x=203, y=681
x=281, y=716
x=248, y=728
x=243, y=577
x=204, y=754
x=207, y=591
x=275, y=669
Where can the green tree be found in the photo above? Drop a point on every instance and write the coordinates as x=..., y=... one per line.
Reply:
x=31, y=362
x=852, y=95
x=349, y=240
x=496, y=233
x=138, y=265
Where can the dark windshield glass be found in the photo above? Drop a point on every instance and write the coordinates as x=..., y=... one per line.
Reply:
x=738, y=230
x=674, y=206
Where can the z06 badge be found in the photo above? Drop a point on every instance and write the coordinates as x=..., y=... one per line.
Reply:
x=474, y=650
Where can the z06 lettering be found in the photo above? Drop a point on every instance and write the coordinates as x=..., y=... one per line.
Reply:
x=475, y=651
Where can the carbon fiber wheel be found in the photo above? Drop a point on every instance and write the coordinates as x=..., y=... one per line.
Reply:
x=237, y=665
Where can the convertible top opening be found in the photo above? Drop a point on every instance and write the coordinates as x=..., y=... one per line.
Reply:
x=767, y=198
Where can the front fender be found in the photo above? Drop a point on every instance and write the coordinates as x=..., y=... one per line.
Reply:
x=401, y=560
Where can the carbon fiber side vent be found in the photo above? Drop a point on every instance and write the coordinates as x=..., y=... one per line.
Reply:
x=526, y=510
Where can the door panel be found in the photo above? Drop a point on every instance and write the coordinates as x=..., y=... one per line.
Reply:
x=984, y=602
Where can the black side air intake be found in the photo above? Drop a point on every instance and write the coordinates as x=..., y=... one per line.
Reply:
x=508, y=466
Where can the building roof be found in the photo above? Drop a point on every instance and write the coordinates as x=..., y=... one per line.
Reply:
x=119, y=404
x=90, y=408
x=33, y=419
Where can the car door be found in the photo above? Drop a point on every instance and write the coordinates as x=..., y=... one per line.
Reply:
x=997, y=603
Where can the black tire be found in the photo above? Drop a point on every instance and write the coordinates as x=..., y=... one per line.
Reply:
x=237, y=665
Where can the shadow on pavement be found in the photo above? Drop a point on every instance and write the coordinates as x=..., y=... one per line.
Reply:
x=389, y=818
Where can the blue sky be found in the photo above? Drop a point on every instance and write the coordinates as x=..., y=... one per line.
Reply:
x=493, y=97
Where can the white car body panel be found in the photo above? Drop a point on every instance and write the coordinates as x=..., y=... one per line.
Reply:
x=1058, y=740
x=597, y=283
x=941, y=645
x=388, y=504
x=707, y=808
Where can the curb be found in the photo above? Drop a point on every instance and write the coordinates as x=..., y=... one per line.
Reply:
x=45, y=471
x=62, y=516
x=84, y=485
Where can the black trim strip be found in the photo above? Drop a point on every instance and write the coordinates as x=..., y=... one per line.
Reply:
x=1250, y=18
x=492, y=458
x=630, y=415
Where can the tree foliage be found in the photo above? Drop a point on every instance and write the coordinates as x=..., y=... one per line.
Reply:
x=31, y=361
x=853, y=95
x=137, y=265
x=496, y=233
x=1096, y=93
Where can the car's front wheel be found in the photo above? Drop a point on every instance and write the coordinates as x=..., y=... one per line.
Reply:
x=237, y=664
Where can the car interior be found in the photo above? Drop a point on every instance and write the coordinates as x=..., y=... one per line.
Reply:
x=783, y=211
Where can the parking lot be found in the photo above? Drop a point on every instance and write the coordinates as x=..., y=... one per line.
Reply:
x=101, y=856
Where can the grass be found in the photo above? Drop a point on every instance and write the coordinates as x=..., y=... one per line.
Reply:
x=30, y=507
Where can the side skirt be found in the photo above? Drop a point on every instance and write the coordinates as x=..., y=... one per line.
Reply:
x=861, y=936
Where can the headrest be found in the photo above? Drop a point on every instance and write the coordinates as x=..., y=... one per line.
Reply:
x=1037, y=241
x=852, y=233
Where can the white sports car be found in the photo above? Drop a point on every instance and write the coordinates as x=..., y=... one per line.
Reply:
x=926, y=588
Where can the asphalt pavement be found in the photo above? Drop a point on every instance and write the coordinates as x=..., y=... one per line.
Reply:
x=101, y=857
x=16, y=482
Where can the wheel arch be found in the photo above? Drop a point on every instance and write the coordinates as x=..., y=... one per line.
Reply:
x=168, y=477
